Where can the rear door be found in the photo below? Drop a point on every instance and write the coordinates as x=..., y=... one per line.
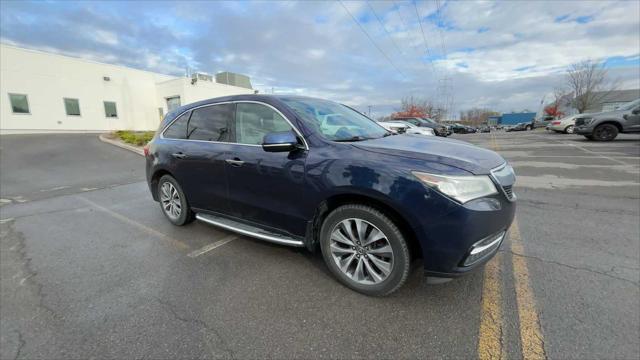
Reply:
x=265, y=187
x=206, y=147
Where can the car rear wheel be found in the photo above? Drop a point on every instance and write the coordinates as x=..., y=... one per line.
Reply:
x=365, y=250
x=605, y=132
x=528, y=127
x=568, y=129
x=173, y=202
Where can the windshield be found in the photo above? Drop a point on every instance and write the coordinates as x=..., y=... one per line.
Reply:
x=335, y=121
x=430, y=121
x=631, y=105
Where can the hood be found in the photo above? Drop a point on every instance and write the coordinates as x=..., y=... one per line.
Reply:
x=449, y=152
x=615, y=113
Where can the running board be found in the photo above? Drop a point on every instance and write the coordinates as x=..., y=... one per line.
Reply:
x=248, y=230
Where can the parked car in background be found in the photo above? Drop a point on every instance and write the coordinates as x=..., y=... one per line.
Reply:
x=416, y=130
x=472, y=129
x=394, y=126
x=541, y=122
x=270, y=167
x=484, y=129
x=460, y=129
x=438, y=129
x=565, y=125
x=605, y=126
x=520, y=127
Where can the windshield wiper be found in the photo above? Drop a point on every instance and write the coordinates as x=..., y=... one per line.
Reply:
x=353, y=138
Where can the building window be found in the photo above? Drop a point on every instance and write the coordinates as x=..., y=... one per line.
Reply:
x=110, y=110
x=72, y=106
x=19, y=103
x=173, y=103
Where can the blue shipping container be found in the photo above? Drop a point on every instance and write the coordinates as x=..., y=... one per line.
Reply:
x=516, y=118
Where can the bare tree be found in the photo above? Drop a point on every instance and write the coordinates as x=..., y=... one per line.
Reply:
x=476, y=116
x=588, y=82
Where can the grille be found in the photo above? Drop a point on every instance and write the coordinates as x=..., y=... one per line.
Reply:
x=508, y=190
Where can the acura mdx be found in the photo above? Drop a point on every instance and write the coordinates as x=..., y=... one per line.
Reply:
x=313, y=173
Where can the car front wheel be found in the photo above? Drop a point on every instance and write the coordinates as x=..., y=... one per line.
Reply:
x=365, y=250
x=605, y=132
x=173, y=202
x=568, y=129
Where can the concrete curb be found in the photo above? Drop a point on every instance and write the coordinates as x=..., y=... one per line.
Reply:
x=120, y=144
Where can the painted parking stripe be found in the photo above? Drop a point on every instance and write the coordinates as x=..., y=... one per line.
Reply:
x=531, y=338
x=491, y=335
x=177, y=243
x=205, y=249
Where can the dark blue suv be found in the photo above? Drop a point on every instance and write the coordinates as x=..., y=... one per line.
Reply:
x=307, y=172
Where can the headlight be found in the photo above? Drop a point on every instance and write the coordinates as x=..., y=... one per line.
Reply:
x=460, y=188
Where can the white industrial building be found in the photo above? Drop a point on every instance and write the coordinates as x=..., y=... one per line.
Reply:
x=45, y=92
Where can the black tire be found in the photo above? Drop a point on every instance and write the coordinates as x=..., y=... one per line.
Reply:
x=186, y=215
x=401, y=257
x=527, y=128
x=605, y=132
x=568, y=129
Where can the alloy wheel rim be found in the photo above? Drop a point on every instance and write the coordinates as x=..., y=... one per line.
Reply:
x=170, y=199
x=570, y=129
x=361, y=251
x=604, y=133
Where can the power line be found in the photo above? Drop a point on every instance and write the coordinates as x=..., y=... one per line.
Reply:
x=371, y=39
x=384, y=28
x=424, y=38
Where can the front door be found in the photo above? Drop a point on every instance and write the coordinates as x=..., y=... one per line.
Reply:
x=265, y=187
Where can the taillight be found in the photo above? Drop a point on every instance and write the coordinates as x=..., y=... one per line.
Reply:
x=555, y=123
x=146, y=150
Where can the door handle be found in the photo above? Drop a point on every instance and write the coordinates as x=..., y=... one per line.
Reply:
x=234, y=162
x=179, y=155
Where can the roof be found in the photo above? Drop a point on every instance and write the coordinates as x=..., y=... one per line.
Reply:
x=273, y=100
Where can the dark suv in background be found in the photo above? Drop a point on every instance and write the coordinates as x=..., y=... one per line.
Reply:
x=438, y=129
x=605, y=126
x=312, y=173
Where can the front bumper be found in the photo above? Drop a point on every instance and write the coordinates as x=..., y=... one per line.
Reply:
x=583, y=130
x=448, y=241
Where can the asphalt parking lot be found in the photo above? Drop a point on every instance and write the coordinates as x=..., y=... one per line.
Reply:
x=90, y=268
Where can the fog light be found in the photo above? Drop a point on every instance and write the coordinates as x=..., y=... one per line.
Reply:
x=483, y=247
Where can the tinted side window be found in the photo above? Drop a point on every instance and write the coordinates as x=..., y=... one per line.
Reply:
x=254, y=121
x=210, y=123
x=178, y=130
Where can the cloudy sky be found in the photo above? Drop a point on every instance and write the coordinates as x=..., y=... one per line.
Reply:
x=504, y=55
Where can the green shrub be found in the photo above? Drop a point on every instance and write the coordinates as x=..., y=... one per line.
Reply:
x=138, y=138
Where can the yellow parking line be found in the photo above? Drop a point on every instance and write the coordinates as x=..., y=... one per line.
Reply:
x=491, y=335
x=531, y=337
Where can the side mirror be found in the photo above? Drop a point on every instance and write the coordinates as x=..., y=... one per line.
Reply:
x=283, y=141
